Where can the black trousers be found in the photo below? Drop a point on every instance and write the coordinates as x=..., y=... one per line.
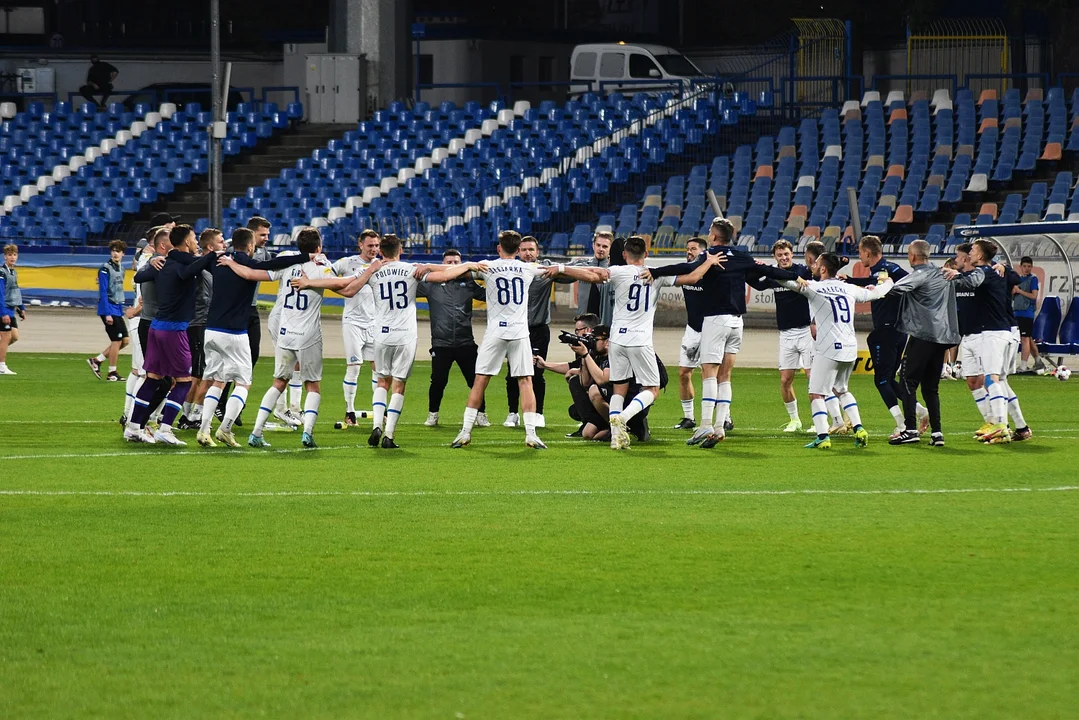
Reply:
x=583, y=410
x=442, y=359
x=540, y=338
x=254, y=334
x=144, y=336
x=886, y=348
x=921, y=366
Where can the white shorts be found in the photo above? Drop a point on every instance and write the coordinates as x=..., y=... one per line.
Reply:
x=996, y=348
x=517, y=352
x=136, y=346
x=274, y=324
x=310, y=360
x=1013, y=354
x=634, y=361
x=970, y=355
x=690, y=354
x=795, y=349
x=359, y=344
x=829, y=377
x=394, y=360
x=228, y=357
x=720, y=334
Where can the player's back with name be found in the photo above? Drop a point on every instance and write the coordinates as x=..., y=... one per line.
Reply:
x=507, y=282
x=634, y=305
x=394, y=292
x=833, y=312
x=301, y=310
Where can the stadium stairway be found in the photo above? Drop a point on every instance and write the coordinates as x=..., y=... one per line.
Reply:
x=264, y=162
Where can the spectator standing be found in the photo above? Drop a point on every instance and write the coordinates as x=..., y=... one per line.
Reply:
x=1025, y=303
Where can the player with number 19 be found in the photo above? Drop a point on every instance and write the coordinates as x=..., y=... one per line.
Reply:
x=831, y=303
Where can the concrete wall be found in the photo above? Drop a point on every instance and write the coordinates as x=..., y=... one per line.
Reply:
x=474, y=61
x=139, y=72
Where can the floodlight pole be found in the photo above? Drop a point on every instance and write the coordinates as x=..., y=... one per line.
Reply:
x=855, y=215
x=216, y=210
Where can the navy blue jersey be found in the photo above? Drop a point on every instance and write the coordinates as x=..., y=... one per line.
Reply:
x=694, y=296
x=992, y=295
x=1013, y=279
x=885, y=310
x=176, y=283
x=724, y=288
x=966, y=307
x=792, y=309
x=230, y=306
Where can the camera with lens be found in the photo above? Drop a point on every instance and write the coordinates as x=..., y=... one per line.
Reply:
x=570, y=338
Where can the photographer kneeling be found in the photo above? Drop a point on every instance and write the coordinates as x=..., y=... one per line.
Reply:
x=588, y=376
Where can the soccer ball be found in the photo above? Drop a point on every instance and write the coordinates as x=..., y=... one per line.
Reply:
x=1063, y=373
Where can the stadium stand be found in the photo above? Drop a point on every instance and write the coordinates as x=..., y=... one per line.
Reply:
x=68, y=174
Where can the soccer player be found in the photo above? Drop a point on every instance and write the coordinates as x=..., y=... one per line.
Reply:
x=1024, y=303
x=357, y=322
x=831, y=302
x=632, y=354
x=970, y=337
x=885, y=342
x=507, y=281
x=168, y=354
x=140, y=316
x=539, y=334
x=689, y=355
x=795, y=337
x=210, y=240
x=12, y=300
x=394, y=286
x=992, y=294
x=228, y=352
x=288, y=408
x=110, y=308
x=724, y=290
x=299, y=338
x=450, y=305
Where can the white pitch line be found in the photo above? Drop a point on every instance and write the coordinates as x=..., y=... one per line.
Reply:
x=526, y=493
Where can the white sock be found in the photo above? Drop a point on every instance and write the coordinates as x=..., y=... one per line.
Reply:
x=792, y=408
x=820, y=415
x=981, y=401
x=850, y=406
x=687, y=409
x=234, y=407
x=1013, y=406
x=265, y=408
x=374, y=383
x=897, y=413
x=919, y=409
x=379, y=406
x=708, y=401
x=998, y=403
x=295, y=391
x=100, y=358
x=470, y=419
x=133, y=384
x=834, y=411
x=310, y=411
x=638, y=404
x=281, y=406
x=352, y=375
x=530, y=423
x=187, y=409
x=615, y=406
x=393, y=413
x=209, y=407
x=723, y=403
x=112, y=369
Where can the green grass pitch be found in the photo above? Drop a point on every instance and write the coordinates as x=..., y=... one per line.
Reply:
x=755, y=580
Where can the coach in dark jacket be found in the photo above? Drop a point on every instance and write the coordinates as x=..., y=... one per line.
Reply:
x=450, y=305
x=927, y=314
